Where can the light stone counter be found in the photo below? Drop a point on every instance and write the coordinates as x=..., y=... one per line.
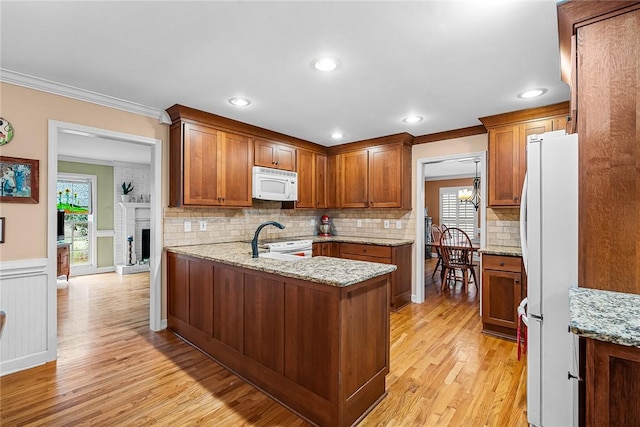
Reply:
x=605, y=316
x=329, y=271
x=501, y=250
x=359, y=240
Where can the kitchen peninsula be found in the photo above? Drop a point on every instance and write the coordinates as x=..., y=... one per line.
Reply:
x=313, y=334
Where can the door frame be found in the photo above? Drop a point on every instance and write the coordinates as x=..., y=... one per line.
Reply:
x=56, y=127
x=419, y=242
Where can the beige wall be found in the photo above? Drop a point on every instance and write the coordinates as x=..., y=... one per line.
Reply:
x=29, y=111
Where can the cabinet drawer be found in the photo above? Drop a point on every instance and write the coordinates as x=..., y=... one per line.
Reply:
x=502, y=263
x=365, y=250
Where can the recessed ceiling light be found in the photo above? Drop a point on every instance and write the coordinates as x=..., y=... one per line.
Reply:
x=239, y=102
x=412, y=119
x=336, y=135
x=532, y=93
x=325, y=64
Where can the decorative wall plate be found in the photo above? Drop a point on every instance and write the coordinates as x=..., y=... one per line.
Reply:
x=6, y=131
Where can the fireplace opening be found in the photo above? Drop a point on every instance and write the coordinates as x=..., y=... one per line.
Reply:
x=146, y=244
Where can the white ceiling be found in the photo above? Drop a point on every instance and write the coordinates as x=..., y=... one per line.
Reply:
x=449, y=61
x=80, y=147
x=449, y=169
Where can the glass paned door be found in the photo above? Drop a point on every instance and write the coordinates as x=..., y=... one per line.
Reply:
x=75, y=198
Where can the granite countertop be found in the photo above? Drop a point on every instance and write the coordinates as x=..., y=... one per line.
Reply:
x=360, y=240
x=501, y=250
x=605, y=316
x=329, y=271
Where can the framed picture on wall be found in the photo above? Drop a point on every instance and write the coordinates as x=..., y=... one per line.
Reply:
x=1, y=229
x=19, y=180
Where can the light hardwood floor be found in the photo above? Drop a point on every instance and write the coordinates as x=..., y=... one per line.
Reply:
x=112, y=370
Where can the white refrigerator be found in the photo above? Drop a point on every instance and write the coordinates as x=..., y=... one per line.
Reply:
x=549, y=237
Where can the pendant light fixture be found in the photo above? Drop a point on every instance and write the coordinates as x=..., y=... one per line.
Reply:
x=473, y=197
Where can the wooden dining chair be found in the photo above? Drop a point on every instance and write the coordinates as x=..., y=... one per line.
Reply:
x=435, y=237
x=457, y=255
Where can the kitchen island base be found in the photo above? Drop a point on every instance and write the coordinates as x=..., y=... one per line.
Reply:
x=320, y=350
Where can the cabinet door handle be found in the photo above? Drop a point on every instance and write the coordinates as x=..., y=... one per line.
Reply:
x=501, y=263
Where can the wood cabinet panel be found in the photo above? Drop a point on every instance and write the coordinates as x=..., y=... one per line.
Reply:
x=503, y=287
x=209, y=167
x=385, y=177
x=306, y=168
x=228, y=307
x=201, y=296
x=609, y=153
x=274, y=155
x=301, y=362
x=201, y=145
x=332, y=181
x=508, y=148
x=62, y=264
x=178, y=292
x=235, y=170
x=321, y=185
x=365, y=332
x=612, y=384
x=373, y=251
x=311, y=346
x=354, y=179
x=264, y=323
x=331, y=249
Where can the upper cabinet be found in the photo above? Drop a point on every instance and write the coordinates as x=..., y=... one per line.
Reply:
x=508, y=135
x=275, y=155
x=378, y=176
x=307, y=180
x=605, y=78
x=209, y=167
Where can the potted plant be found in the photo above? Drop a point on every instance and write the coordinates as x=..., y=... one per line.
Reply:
x=126, y=189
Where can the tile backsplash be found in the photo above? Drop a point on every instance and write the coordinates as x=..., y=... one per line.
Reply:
x=229, y=224
x=503, y=227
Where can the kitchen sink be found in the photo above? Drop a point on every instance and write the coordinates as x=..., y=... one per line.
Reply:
x=281, y=257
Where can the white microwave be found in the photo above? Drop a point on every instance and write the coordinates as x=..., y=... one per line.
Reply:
x=274, y=184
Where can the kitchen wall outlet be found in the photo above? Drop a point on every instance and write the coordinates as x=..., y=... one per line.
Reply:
x=398, y=224
x=203, y=225
x=386, y=223
x=187, y=226
x=358, y=223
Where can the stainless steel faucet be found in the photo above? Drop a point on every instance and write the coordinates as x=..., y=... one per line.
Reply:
x=254, y=242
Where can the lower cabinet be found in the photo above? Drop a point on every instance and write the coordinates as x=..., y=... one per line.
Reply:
x=63, y=260
x=321, y=350
x=503, y=287
x=612, y=384
x=400, y=286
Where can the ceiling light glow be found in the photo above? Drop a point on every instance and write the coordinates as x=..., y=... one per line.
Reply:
x=412, y=119
x=239, y=102
x=336, y=135
x=532, y=93
x=325, y=64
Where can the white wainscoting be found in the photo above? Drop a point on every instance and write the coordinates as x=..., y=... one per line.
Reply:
x=24, y=291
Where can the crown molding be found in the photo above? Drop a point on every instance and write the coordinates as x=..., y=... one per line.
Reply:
x=19, y=79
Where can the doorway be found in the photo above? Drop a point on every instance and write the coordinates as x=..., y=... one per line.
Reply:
x=422, y=172
x=58, y=128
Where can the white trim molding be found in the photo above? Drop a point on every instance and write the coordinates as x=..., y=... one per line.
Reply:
x=105, y=233
x=49, y=86
x=21, y=268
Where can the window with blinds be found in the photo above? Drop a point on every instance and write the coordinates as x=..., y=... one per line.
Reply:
x=456, y=214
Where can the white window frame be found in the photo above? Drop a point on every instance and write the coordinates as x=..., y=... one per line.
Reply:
x=454, y=191
x=91, y=266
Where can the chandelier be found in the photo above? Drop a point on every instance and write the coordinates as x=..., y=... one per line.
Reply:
x=473, y=197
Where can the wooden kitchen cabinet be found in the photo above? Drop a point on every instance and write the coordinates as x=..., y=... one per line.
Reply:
x=400, y=286
x=63, y=260
x=376, y=177
x=316, y=180
x=331, y=249
x=275, y=155
x=603, y=38
x=208, y=167
x=252, y=322
x=503, y=287
x=612, y=384
x=508, y=135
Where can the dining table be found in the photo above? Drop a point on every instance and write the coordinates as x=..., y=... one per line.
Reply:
x=464, y=246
